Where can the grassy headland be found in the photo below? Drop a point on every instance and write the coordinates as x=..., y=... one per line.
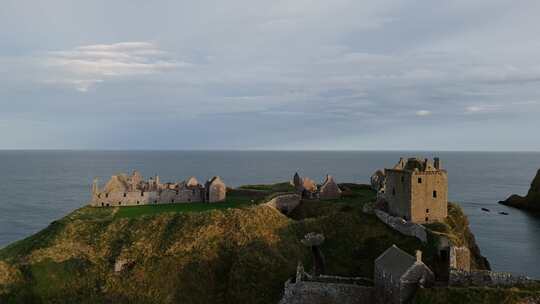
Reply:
x=232, y=252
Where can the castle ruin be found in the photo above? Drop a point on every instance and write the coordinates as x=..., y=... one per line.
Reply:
x=124, y=190
x=308, y=189
x=417, y=190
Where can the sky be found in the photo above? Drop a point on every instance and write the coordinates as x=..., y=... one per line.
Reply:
x=291, y=74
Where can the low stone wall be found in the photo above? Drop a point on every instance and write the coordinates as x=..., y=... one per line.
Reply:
x=304, y=292
x=486, y=278
x=402, y=226
x=285, y=203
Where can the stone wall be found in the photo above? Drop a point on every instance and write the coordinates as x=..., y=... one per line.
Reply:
x=398, y=193
x=285, y=203
x=305, y=292
x=486, y=278
x=402, y=226
x=460, y=258
x=134, y=198
x=429, y=193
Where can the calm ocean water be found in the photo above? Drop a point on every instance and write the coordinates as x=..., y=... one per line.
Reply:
x=40, y=186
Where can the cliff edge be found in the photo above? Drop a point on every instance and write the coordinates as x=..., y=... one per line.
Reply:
x=529, y=202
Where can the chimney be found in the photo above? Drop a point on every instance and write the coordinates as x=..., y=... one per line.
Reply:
x=437, y=163
x=418, y=256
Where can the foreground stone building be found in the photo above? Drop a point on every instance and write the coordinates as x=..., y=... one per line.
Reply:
x=133, y=190
x=417, y=190
x=308, y=189
x=398, y=275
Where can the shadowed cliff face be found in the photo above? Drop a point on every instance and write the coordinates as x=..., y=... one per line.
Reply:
x=529, y=202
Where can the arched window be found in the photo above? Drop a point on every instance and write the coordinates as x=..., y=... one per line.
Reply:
x=125, y=194
x=102, y=204
x=434, y=193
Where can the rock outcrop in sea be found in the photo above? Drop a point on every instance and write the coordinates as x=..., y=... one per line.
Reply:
x=529, y=202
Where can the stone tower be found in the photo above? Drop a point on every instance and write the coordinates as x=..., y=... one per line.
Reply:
x=417, y=190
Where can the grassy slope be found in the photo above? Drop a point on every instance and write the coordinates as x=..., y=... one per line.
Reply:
x=179, y=255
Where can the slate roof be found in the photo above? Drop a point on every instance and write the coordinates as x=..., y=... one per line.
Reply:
x=395, y=261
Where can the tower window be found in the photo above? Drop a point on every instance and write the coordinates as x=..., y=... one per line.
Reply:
x=419, y=180
x=427, y=210
x=434, y=193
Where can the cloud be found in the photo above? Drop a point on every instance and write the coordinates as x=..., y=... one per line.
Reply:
x=423, y=113
x=87, y=65
x=478, y=109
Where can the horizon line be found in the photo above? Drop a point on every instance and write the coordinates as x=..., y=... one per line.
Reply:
x=260, y=150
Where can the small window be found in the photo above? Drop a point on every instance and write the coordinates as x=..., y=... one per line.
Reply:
x=107, y=205
x=403, y=179
x=427, y=210
x=172, y=201
x=394, y=191
x=106, y=194
x=176, y=192
x=99, y=195
x=102, y=204
x=125, y=194
x=138, y=202
x=155, y=202
x=434, y=193
x=419, y=180
x=427, y=219
x=119, y=203
x=142, y=193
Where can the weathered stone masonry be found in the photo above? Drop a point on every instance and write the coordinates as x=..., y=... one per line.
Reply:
x=124, y=190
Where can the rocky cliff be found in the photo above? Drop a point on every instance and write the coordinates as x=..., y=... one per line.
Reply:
x=529, y=202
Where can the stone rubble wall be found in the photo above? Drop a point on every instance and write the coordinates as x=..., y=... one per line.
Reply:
x=486, y=278
x=320, y=293
x=285, y=203
x=402, y=226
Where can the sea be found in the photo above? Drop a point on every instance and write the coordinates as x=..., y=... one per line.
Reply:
x=38, y=187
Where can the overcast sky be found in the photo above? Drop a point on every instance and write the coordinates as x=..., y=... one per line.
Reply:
x=340, y=74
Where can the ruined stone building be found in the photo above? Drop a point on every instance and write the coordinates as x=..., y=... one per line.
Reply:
x=124, y=190
x=417, y=190
x=308, y=189
x=398, y=275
